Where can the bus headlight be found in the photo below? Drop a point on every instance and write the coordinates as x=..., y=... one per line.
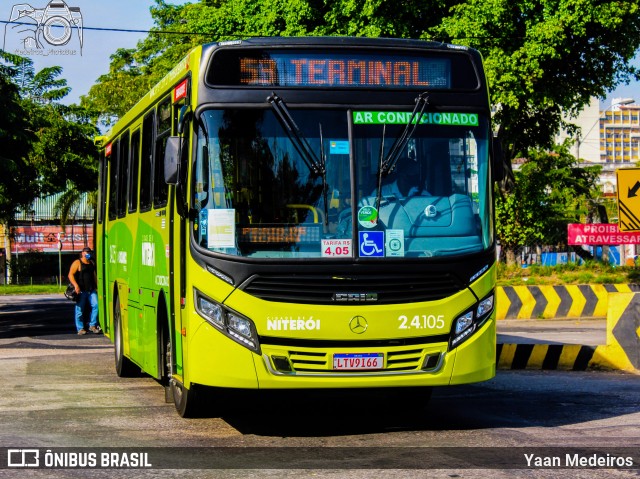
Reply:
x=464, y=322
x=240, y=325
x=485, y=306
x=211, y=311
x=470, y=321
x=230, y=323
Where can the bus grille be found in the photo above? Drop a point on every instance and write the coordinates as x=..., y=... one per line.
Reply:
x=338, y=289
x=305, y=361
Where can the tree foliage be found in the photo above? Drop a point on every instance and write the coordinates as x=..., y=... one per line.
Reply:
x=546, y=58
x=550, y=191
x=16, y=174
x=46, y=147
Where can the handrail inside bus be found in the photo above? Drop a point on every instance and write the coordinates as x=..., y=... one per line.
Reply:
x=307, y=207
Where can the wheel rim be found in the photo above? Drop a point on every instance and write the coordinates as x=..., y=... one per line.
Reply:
x=167, y=359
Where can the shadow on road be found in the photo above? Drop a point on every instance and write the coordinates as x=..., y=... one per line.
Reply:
x=513, y=399
x=35, y=316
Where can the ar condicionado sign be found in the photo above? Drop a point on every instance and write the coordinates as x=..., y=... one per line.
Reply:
x=600, y=234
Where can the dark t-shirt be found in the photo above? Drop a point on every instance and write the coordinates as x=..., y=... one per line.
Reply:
x=85, y=276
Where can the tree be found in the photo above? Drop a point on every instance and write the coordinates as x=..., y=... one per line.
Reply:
x=63, y=150
x=546, y=58
x=550, y=191
x=17, y=176
x=117, y=91
x=383, y=18
x=44, y=145
x=66, y=208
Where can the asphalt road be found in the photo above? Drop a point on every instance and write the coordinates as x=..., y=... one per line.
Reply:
x=60, y=391
x=35, y=315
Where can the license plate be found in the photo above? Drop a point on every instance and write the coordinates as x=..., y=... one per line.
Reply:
x=358, y=362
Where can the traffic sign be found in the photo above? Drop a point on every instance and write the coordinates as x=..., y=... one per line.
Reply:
x=628, y=199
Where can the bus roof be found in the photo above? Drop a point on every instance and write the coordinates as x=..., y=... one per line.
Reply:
x=340, y=41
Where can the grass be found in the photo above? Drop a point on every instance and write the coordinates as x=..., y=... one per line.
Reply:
x=570, y=273
x=8, y=289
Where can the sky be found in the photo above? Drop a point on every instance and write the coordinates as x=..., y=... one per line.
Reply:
x=82, y=66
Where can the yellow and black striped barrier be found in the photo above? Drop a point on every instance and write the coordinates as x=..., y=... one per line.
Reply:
x=622, y=351
x=557, y=302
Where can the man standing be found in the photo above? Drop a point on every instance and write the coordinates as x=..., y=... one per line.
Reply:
x=83, y=277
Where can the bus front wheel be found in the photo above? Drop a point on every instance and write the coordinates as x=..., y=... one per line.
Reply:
x=187, y=401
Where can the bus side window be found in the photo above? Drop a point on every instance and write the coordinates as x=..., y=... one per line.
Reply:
x=176, y=115
x=123, y=174
x=134, y=161
x=113, y=180
x=146, y=180
x=102, y=186
x=160, y=188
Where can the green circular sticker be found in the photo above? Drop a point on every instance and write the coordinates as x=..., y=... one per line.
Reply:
x=395, y=244
x=368, y=217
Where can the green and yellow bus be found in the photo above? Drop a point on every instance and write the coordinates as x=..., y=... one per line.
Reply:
x=288, y=213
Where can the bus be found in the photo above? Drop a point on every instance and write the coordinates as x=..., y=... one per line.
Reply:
x=302, y=213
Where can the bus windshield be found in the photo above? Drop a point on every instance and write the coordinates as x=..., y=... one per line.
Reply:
x=258, y=194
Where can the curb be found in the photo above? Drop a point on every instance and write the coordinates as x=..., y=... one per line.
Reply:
x=552, y=357
x=557, y=302
x=622, y=351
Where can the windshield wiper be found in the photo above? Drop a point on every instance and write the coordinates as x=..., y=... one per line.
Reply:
x=323, y=162
x=316, y=165
x=295, y=135
x=387, y=164
x=380, y=165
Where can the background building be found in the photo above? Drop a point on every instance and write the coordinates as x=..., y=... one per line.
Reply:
x=608, y=137
x=620, y=133
x=35, y=248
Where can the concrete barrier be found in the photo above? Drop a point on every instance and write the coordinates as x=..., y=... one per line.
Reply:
x=557, y=302
x=622, y=351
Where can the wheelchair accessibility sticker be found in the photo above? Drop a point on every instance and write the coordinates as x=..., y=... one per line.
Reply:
x=371, y=243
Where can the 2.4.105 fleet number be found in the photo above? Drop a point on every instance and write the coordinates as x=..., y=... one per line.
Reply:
x=421, y=321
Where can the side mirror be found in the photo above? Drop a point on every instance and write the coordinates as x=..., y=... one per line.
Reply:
x=183, y=116
x=172, y=160
x=497, y=158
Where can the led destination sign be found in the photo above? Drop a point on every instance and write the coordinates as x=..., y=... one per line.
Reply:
x=342, y=69
x=343, y=72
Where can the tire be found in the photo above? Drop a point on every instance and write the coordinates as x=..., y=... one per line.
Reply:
x=125, y=368
x=165, y=363
x=188, y=402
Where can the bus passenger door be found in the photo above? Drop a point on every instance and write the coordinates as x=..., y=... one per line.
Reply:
x=179, y=222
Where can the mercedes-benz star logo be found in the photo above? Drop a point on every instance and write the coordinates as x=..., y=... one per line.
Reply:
x=358, y=325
